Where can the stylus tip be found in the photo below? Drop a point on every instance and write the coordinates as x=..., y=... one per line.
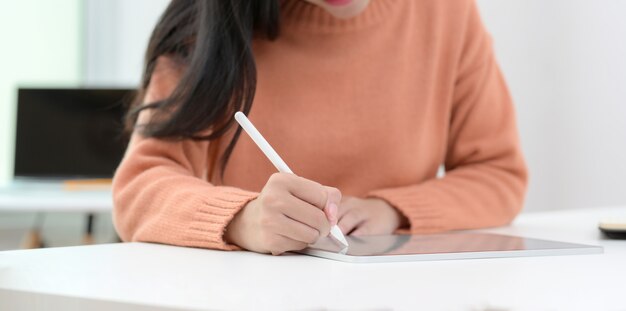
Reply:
x=336, y=233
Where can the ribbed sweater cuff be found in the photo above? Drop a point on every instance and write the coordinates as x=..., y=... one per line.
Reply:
x=421, y=208
x=213, y=215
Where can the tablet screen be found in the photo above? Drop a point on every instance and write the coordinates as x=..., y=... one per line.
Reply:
x=438, y=246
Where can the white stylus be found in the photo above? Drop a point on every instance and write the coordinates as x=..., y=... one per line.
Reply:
x=278, y=162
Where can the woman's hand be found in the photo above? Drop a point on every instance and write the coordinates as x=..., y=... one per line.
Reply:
x=290, y=213
x=369, y=217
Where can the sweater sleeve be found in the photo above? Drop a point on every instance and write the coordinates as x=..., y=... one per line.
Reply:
x=160, y=191
x=486, y=176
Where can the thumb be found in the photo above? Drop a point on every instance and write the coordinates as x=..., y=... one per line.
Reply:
x=333, y=198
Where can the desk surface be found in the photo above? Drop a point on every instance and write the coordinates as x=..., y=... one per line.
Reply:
x=53, y=198
x=137, y=276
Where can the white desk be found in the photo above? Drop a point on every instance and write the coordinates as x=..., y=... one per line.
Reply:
x=140, y=276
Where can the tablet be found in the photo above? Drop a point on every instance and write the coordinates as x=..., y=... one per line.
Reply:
x=447, y=246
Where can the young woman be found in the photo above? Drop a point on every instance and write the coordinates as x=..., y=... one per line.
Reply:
x=364, y=99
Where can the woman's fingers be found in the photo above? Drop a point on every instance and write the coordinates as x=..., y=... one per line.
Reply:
x=332, y=204
x=281, y=244
x=307, y=190
x=308, y=215
x=363, y=229
x=297, y=231
x=347, y=203
x=290, y=213
x=351, y=220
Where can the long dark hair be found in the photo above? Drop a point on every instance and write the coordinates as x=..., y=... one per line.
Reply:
x=212, y=39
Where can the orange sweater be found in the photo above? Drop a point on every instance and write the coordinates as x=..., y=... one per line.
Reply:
x=372, y=105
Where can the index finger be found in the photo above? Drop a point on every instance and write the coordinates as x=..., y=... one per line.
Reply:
x=313, y=192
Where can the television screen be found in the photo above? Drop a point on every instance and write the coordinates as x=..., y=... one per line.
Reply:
x=70, y=133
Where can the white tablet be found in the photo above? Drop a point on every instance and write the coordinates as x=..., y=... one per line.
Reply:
x=457, y=245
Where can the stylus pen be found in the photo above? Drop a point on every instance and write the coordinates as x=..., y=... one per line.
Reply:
x=278, y=162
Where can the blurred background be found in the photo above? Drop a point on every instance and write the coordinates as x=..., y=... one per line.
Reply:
x=565, y=62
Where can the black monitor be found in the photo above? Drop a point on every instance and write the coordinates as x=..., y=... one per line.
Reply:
x=70, y=133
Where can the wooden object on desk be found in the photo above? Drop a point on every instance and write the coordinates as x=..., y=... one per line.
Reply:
x=32, y=240
x=87, y=184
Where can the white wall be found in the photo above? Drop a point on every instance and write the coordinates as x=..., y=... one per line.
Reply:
x=565, y=61
x=116, y=37
x=41, y=45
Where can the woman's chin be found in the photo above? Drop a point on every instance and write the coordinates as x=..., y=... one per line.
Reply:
x=345, y=9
